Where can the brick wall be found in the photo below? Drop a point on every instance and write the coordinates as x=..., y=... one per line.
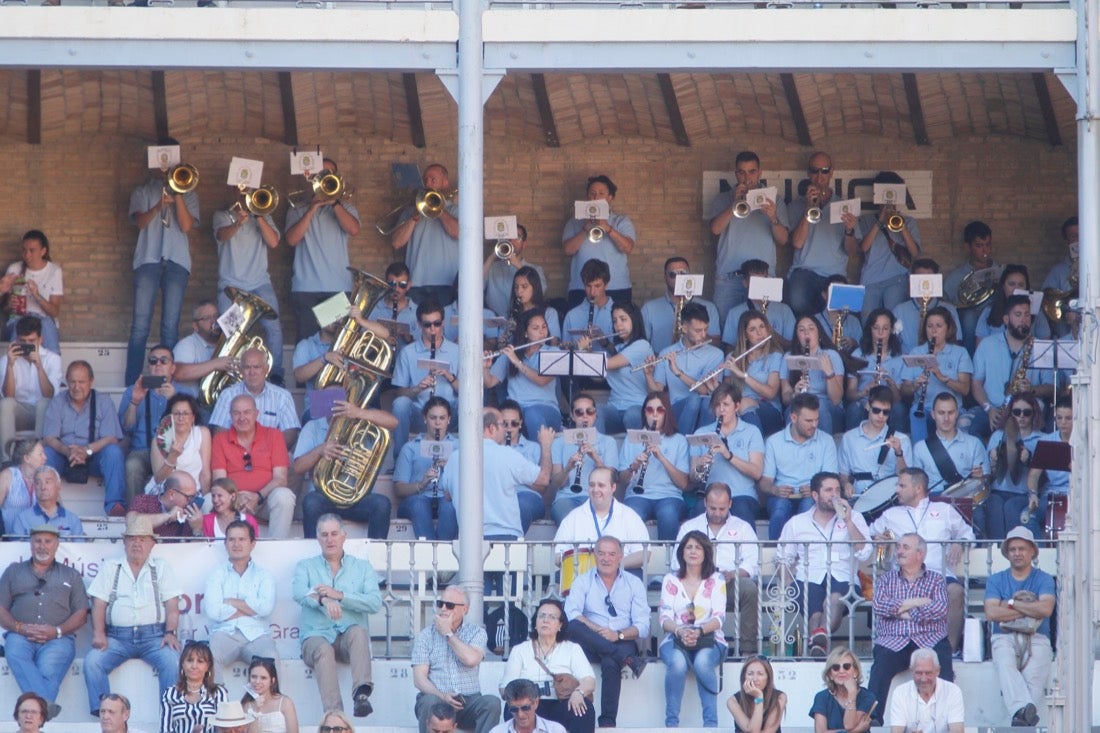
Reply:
x=78, y=193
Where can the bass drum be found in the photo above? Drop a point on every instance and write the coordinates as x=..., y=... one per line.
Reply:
x=573, y=565
x=965, y=495
x=1055, y=519
x=877, y=498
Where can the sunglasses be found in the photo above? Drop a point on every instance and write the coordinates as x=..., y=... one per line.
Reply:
x=610, y=607
x=511, y=423
x=582, y=411
x=449, y=605
x=398, y=283
x=431, y=324
x=154, y=360
x=41, y=585
x=1022, y=411
x=248, y=461
x=880, y=410
x=837, y=667
x=655, y=410
x=815, y=171
x=332, y=729
x=513, y=709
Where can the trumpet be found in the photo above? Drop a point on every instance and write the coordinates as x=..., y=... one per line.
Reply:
x=727, y=364
x=504, y=249
x=596, y=234
x=741, y=209
x=259, y=201
x=324, y=185
x=495, y=354
x=183, y=178
x=813, y=213
x=895, y=223
x=666, y=357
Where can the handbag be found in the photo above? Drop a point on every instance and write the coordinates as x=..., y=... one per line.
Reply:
x=706, y=641
x=565, y=684
x=79, y=473
x=1024, y=624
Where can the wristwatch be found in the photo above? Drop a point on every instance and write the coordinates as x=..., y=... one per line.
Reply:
x=88, y=451
x=622, y=637
x=1011, y=602
x=58, y=630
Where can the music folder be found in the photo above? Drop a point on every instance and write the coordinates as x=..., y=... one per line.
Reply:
x=1052, y=455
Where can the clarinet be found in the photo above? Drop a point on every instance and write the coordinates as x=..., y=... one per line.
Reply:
x=431, y=357
x=639, y=485
x=704, y=474
x=805, y=352
x=394, y=307
x=576, y=486
x=922, y=391
x=591, y=313
x=435, y=483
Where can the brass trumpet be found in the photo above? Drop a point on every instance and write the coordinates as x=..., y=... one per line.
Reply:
x=813, y=213
x=259, y=201
x=183, y=178
x=741, y=209
x=895, y=223
x=596, y=234
x=324, y=185
x=430, y=203
x=504, y=249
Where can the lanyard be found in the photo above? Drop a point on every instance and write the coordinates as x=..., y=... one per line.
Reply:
x=916, y=523
x=596, y=521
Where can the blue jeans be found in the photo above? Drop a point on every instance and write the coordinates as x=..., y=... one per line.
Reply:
x=803, y=292
x=563, y=505
x=689, y=410
x=374, y=509
x=611, y=420
x=669, y=513
x=171, y=280
x=677, y=664
x=886, y=293
x=531, y=507
x=107, y=463
x=780, y=510
x=272, y=327
x=537, y=415
x=124, y=643
x=51, y=339
x=409, y=420
x=766, y=418
x=729, y=290
x=39, y=667
x=418, y=510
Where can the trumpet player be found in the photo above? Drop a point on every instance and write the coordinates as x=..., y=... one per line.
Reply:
x=319, y=233
x=499, y=274
x=738, y=462
x=431, y=243
x=755, y=236
x=573, y=464
x=162, y=262
x=243, y=240
x=681, y=365
x=978, y=238
x=889, y=240
x=659, y=314
x=821, y=248
x=612, y=246
x=872, y=450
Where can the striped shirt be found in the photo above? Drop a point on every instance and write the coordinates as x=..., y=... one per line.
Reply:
x=275, y=407
x=177, y=715
x=926, y=625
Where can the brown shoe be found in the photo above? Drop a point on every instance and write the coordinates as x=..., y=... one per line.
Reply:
x=118, y=510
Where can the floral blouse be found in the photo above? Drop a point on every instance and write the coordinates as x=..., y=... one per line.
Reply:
x=709, y=602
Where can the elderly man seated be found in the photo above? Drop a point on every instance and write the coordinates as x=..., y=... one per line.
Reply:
x=926, y=703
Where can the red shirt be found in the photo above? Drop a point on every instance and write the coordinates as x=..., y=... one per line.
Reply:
x=267, y=452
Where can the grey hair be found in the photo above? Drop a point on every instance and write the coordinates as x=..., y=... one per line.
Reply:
x=331, y=517
x=922, y=546
x=46, y=469
x=456, y=588
x=924, y=654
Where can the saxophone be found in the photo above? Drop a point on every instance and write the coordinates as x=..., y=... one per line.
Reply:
x=1017, y=384
x=347, y=479
x=921, y=317
x=236, y=343
x=357, y=343
x=677, y=321
x=434, y=501
x=838, y=329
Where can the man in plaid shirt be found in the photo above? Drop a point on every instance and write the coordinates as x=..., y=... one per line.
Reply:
x=910, y=608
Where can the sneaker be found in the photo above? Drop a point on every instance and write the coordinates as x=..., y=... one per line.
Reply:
x=637, y=665
x=118, y=510
x=53, y=710
x=363, y=708
x=819, y=651
x=1026, y=717
x=819, y=637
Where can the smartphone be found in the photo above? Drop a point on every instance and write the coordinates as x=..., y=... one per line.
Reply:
x=24, y=349
x=152, y=381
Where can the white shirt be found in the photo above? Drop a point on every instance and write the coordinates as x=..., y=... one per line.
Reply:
x=542, y=725
x=910, y=711
x=814, y=551
x=565, y=657
x=936, y=522
x=27, y=389
x=735, y=544
x=256, y=587
x=48, y=280
x=582, y=527
x=135, y=598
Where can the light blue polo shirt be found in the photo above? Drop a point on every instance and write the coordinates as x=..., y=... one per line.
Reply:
x=995, y=365
x=907, y=313
x=745, y=239
x=779, y=315
x=498, y=286
x=965, y=451
x=321, y=258
x=696, y=363
x=817, y=375
x=658, y=484
x=859, y=454
x=520, y=387
x=659, y=316
x=407, y=374
x=561, y=453
x=823, y=252
x=604, y=250
x=1006, y=483
x=791, y=463
x=953, y=360
x=157, y=242
x=505, y=470
x=628, y=387
x=411, y=466
x=242, y=259
x=577, y=319
x=744, y=439
x=761, y=370
x=431, y=254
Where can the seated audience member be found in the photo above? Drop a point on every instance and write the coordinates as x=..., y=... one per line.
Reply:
x=979, y=247
x=952, y=372
x=531, y=504
x=592, y=309
x=17, y=480
x=42, y=606
x=239, y=597
x=81, y=435
x=612, y=248
x=337, y=591
x=184, y=447
x=31, y=712
x=135, y=613
x=223, y=498
x=820, y=548
x=546, y=655
x=692, y=610
x=682, y=365
x=824, y=381
x=397, y=307
x=192, y=703
x=34, y=287
x=315, y=443
x=880, y=347
x=859, y=462
x=1014, y=279
x=527, y=293
x=500, y=274
x=569, y=475
x=738, y=462
x=942, y=528
x=659, y=314
x=949, y=455
x=272, y=710
x=446, y=659
x=758, y=375
x=910, y=613
x=505, y=470
x=47, y=508
x=194, y=353
x=628, y=350
x=518, y=370
x=908, y=311
x=230, y=718
x=1020, y=602
x=274, y=404
x=255, y=458
x=140, y=413
x=32, y=375
x=926, y=703
x=114, y=715
x=416, y=478
x=657, y=473
x=608, y=616
x=779, y=314
x=736, y=557
x=843, y=705
x=1010, y=451
x=791, y=458
x=177, y=511
x=757, y=705
x=578, y=532
x=521, y=704
x=414, y=385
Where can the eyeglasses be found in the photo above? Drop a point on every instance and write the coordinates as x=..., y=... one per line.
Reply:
x=398, y=283
x=332, y=729
x=610, y=607
x=1022, y=411
x=880, y=410
x=449, y=605
x=837, y=667
x=816, y=171
x=431, y=324
x=247, y=461
x=154, y=360
x=511, y=423
x=513, y=709
x=189, y=497
x=582, y=411
x=655, y=409
x=182, y=415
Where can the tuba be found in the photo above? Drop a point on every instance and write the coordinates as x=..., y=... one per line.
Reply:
x=347, y=479
x=355, y=342
x=236, y=343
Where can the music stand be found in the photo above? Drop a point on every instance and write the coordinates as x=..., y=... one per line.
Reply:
x=1055, y=354
x=570, y=364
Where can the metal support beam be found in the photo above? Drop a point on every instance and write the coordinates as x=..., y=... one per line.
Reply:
x=290, y=112
x=160, y=105
x=34, y=107
x=1042, y=92
x=797, y=114
x=546, y=113
x=490, y=78
x=412, y=106
x=916, y=110
x=673, y=107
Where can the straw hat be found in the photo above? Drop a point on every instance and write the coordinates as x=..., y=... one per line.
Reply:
x=139, y=525
x=230, y=714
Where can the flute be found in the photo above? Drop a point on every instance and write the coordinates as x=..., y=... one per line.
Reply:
x=570, y=345
x=659, y=359
x=724, y=366
x=495, y=354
